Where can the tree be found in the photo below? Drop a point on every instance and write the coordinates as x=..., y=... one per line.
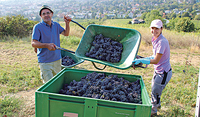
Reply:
x=173, y=15
x=184, y=24
x=172, y=22
x=93, y=15
x=195, y=7
x=143, y=16
x=197, y=17
x=16, y=26
x=154, y=14
x=178, y=15
x=193, y=14
x=185, y=14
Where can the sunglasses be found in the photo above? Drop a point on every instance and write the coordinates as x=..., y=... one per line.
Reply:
x=48, y=13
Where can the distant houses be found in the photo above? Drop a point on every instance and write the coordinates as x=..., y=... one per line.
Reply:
x=30, y=10
x=136, y=21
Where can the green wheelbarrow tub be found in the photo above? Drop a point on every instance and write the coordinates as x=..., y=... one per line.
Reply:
x=73, y=56
x=129, y=38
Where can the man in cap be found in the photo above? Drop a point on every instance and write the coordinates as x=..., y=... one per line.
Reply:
x=45, y=36
x=161, y=61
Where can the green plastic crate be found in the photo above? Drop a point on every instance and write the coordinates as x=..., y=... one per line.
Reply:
x=73, y=56
x=48, y=103
x=129, y=38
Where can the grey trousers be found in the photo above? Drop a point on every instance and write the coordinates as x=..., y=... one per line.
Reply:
x=159, y=82
x=48, y=70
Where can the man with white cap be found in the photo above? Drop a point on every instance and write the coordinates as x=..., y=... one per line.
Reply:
x=161, y=61
x=46, y=35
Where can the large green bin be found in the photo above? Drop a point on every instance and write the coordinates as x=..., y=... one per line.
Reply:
x=49, y=103
x=129, y=38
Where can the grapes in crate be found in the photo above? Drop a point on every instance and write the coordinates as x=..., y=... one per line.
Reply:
x=107, y=87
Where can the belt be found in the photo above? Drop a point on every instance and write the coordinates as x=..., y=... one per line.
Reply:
x=165, y=76
x=165, y=71
x=170, y=69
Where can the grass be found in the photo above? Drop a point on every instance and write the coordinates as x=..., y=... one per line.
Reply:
x=10, y=106
x=196, y=23
x=20, y=70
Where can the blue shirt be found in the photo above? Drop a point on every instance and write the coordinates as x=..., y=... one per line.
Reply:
x=45, y=33
x=161, y=45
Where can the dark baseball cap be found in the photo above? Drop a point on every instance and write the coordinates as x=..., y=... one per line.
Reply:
x=45, y=7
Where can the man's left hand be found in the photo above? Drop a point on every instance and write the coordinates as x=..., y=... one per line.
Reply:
x=67, y=19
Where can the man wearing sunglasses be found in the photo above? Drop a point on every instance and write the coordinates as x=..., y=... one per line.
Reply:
x=45, y=36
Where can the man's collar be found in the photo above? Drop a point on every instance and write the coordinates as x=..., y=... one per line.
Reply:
x=159, y=37
x=46, y=23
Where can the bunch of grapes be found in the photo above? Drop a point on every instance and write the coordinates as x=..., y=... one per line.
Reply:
x=67, y=61
x=105, y=49
x=108, y=87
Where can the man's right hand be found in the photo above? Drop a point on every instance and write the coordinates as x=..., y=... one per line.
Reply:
x=51, y=46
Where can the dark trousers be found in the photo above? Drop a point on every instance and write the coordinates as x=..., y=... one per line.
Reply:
x=159, y=82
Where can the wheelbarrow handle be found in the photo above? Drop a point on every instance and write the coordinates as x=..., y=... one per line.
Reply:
x=75, y=22
x=78, y=24
x=134, y=66
x=59, y=48
x=97, y=67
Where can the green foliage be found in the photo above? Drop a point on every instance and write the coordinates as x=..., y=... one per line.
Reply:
x=177, y=111
x=173, y=15
x=16, y=26
x=10, y=106
x=184, y=24
x=69, y=42
x=197, y=17
x=185, y=14
x=172, y=22
x=197, y=24
x=17, y=80
x=154, y=14
x=181, y=24
x=143, y=16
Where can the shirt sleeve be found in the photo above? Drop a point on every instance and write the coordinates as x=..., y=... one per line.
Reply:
x=61, y=29
x=161, y=47
x=36, y=33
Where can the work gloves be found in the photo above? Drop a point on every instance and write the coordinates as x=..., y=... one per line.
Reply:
x=143, y=60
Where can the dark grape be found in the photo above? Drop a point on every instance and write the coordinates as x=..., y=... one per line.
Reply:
x=67, y=61
x=105, y=49
x=108, y=87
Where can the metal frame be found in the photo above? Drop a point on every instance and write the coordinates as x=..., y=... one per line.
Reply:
x=197, y=112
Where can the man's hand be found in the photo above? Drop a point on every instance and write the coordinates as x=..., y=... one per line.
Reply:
x=67, y=19
x=51, y=46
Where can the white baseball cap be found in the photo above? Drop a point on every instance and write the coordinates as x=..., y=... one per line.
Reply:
x=156, y=23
